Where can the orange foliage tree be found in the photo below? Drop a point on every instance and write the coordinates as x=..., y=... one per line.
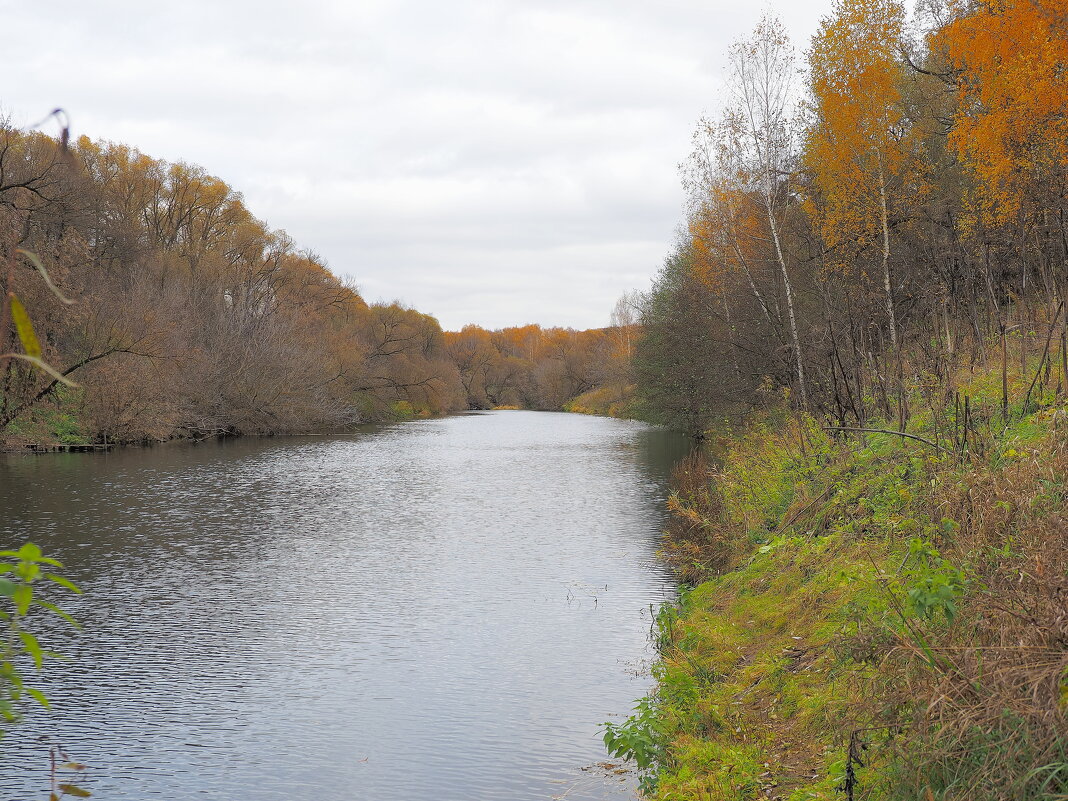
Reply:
x=858, y=139
x=1012, y=127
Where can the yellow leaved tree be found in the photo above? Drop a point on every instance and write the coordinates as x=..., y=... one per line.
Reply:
x=1011, y=129
x=859, y=137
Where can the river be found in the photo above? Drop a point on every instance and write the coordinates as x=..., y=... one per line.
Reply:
x=441, y=610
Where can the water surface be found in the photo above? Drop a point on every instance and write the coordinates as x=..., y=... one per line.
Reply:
x=436, y=610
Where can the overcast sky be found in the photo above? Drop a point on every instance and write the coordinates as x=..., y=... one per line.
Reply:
x=488, y=162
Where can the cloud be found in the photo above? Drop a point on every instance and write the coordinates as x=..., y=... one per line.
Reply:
x=487, y=162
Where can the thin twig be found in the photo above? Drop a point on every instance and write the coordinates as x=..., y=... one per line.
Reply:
x=888, y=431
x=1045, y=353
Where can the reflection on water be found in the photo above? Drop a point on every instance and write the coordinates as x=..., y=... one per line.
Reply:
x=437, y=610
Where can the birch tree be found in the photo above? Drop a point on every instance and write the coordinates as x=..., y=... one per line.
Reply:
x=759, y=146
x=857, y=142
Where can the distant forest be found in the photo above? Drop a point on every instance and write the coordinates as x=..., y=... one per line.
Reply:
x=191, y=318
x=859, y=224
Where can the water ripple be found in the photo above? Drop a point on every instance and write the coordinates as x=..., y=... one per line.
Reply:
x=439, y=610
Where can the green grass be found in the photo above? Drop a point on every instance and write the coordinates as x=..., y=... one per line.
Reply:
x=59, y=421
x=606, y=401
x=850, y=578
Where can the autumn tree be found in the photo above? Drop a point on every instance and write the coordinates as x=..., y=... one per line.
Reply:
x=857, y=141
x=1012, y=127
x=758, y=148
x=683, y=365
x=193, y=318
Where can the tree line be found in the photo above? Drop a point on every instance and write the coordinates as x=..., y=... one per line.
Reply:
x=875, y=249
x=542, y=368
x=860, y=226
x=866, y=223
x=164, y=308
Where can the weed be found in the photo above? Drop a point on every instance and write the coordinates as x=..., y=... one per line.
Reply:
x=882, y=617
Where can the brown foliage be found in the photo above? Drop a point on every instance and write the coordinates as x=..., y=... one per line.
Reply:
x=993, y=710
x=192, y=317
x=698, y=542
x=534, y=367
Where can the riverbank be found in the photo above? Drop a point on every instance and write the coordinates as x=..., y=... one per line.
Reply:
x=62, y=426
x=878, y=617
x=606, y=401
x=61, y=430
x=64, y=421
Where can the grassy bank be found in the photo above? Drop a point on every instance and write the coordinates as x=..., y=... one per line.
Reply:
x=610, y=400
x=873, y=616
x=61, y=421
x=64, y=420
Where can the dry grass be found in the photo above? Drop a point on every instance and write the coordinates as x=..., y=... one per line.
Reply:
x=699, y=541
x=993, y=722
x=802, y=649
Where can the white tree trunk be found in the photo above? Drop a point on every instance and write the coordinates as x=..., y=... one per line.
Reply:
x=798, y=361
x=891, y=318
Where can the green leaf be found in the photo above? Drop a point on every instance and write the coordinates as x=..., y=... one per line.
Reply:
x=24, y=327
x=36, y=262
x=39, y=697
x=27, y=571
x=7, y=588
x=8, y=711
x=33, y=648
x=23, y=597
x=29, y=552
x=70, y=585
